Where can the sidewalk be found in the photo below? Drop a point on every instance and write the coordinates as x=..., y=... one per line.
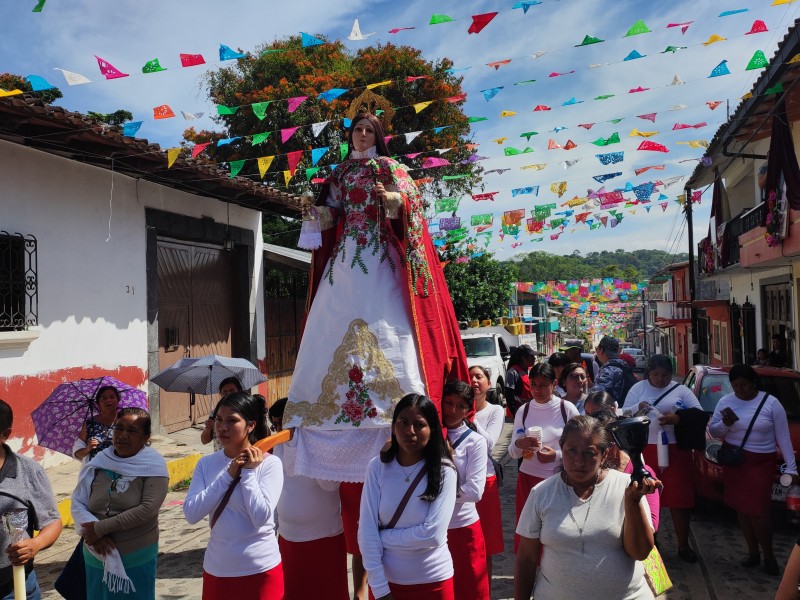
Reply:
x=181, y=450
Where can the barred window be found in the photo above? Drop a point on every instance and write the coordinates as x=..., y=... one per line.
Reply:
x=19, y=299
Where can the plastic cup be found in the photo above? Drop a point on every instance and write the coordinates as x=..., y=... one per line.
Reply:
x=534, y=432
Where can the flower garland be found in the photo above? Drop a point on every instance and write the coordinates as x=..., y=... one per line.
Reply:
x=774, y=220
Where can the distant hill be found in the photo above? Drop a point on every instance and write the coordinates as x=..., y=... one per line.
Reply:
x=636, y=265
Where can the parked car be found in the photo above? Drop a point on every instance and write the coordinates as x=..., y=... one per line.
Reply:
x=638, y=356
x=709, y=384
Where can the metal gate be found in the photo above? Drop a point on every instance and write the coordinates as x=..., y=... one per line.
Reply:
x=778, y=320
x=195, y=318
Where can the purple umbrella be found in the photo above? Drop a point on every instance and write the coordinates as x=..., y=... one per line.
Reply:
x=59, y=419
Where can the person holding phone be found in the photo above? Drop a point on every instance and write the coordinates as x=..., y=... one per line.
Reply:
x=747, y=486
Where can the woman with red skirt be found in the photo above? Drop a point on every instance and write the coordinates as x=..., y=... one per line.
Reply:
x=464, y=535
x=408, y=499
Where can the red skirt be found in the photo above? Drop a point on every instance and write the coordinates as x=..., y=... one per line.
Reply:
x=315, y=569
x=468, y=549
x=748, y=487
x=491, y=518
x=439, y=590
x=261, y=586
x=350, y=496
x=525, y=483
x=678, y=489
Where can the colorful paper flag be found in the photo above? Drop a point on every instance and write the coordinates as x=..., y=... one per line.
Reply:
x=264, y=164
x=192, y=60
x=259, y=138
x=39, y=83
x=152, y=66
x=286, y=134
x=131, y=127
x=226, y=53
x=439, y=19
x=637, y=28
x=331, y=94
x=73, y=78
x=236, y=166
x=309, y=40
x=294, y=159
x=108, y=70
x=481, y=21
x=652, y=146
x=198, y=148
x=163, y=112
x=720, y=69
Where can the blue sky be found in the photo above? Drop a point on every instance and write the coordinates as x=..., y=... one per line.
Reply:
x=127, y=33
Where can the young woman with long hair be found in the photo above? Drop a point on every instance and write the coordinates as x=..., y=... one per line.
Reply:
x=406, y=555
x=238, y=488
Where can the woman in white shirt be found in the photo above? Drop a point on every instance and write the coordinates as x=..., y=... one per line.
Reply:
x=489, y=420
x=551, y=413
x=464, y=535
x=238, y=488
x=662, y=399
x=406, y=555
x=747, y=487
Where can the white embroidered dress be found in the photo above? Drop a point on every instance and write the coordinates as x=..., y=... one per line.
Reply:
x=358, y=354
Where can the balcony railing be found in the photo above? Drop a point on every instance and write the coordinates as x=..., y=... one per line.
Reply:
x=752, y=218
x=674, y=311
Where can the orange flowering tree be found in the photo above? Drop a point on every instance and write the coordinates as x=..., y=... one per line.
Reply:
x=284, y=69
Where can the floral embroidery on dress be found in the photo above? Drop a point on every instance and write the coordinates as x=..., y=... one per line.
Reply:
x=358, y=405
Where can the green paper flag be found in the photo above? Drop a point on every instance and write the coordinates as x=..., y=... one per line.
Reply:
x=437, y=19
x=672, y=49
x=637, y=28
x=343, y=149
x=259, y=138
x=528, y=134
x=526, y=82
x=478, y=220
x=452, y=177
x=556, y=223
x=310, y=172
x=227, y=110
x=589, y=40
x=775, y=89
x=514, y=151
x=476, y=119
x=152, y=66
x=456, y=235
x=39, y=6
x=759, y=61
x=236, y=166
x=614, y=121
x=605, y=97
x=511, y=229
x=447, y=205
x=260, y=109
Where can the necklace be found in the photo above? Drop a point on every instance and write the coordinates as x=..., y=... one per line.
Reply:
x=406, y=473
x=588, y=507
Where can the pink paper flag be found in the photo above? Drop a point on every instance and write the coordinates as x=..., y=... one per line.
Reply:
x=649, y=117
x=454, y=99
x=486, y=196
x=294, y=159
x=685, y=126
x=683, y=26
x=758, y=27
x=498, y=63
x=638, y=89
x=652, y=146
x=713, y=104
x=541, y=107
x=287, y=133
x=191, y=60
x=108, y=70
x=480, y=21
x=586, y=125
x=399, y=29
x=411, y=78
x=554, y=74
x=663, y=206
x=413, y=155
x=198, y=148
x=434, y=161
x=295, y=102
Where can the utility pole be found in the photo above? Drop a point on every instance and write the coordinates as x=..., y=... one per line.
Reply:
x=644, y=322
x=692, y=292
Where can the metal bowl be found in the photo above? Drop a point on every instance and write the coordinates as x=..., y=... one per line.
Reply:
x=712, y=448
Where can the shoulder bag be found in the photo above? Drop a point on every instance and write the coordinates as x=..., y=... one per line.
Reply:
x=224, y=502
x=732, y=456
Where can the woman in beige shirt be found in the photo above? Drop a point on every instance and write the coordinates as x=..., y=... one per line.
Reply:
x=115, y=507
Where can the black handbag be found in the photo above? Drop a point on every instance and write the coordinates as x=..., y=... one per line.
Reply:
x=71, y=584
x=732, y=456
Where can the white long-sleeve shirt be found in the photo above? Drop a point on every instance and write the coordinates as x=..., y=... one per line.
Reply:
x=470, y=460
x=242, y=541
x=770, y=429
x=309, y=509
x=489, y=422
x=547, y=416
x=415, y=550
x=644, y=391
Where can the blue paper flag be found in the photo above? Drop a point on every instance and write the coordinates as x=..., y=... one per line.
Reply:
x=662, y=197
x=440, y=129
x=644, y=191
x=720, y=69
x=525, y=5
x=310, y=40
x=453, y=70
x=131, y=128
x=606, y=176
x=317, y=153
x=39, y=83
x=728, y=13
x=490, y=93
x=633, y=56
x=347, y=122
x=226, y=141
x=226, y=53
x=534, y=189
x=572, y=101
x=611, y=158
x=331, y=94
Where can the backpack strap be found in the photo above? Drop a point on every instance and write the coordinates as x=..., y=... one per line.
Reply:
x=753, y=421
x=402, y=506
x=224, y=502
x=564, y=412
x=664, y=395
x=461, y=438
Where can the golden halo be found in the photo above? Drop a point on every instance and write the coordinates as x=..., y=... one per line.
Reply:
x=370, y=102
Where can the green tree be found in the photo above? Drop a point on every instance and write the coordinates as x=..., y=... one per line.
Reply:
x=117, y=118
x=481, y=288
x=9, y=81
x=543, y=266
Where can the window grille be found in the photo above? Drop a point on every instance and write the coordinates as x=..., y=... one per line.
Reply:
x=19, y=282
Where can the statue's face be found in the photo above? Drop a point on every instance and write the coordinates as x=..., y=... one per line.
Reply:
x=363, y=135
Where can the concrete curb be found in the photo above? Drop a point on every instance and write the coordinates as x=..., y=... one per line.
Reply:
x=180, y=469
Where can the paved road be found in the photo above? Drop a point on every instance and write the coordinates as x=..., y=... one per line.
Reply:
x=717, y=576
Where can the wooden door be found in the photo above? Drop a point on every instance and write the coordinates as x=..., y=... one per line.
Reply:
x=195, y=316
x=778, y=315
